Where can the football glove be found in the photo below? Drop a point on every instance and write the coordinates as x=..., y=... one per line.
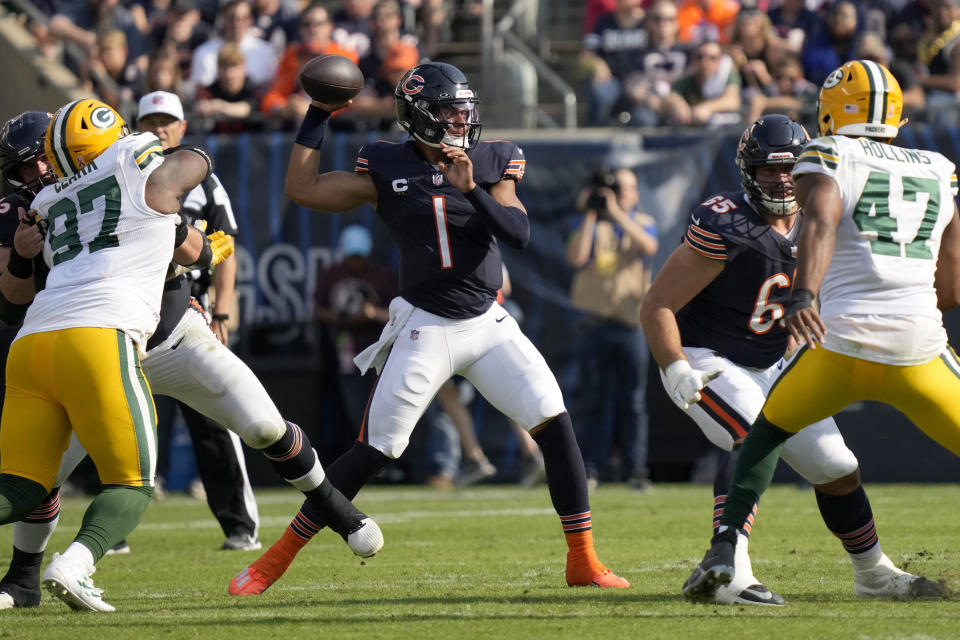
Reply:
x=222, y=246
x=684, y=383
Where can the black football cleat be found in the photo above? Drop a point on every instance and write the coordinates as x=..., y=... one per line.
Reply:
x=715, y=570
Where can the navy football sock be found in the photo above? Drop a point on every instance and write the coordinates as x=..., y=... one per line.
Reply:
x=850, y=518
x=348, y=474
x=291, y=456
x=566, y=475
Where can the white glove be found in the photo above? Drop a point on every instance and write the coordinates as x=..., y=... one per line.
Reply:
x=684, y=383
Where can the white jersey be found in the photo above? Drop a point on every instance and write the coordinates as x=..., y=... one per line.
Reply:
x=878, y=299
x=107, y=250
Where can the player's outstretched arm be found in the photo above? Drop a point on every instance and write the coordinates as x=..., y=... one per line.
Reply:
x=332, y=192
x=819, y=197
x=947, y=280
x=685, y=274
x=180, y=172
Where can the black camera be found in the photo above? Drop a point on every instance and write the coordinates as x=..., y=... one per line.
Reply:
x=601, y=179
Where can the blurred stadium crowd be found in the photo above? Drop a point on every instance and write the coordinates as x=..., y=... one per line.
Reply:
x=643, y=62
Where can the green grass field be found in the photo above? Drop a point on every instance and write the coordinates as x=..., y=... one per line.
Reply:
x=488, y=563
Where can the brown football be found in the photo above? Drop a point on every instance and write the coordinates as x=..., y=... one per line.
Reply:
x=331, y=79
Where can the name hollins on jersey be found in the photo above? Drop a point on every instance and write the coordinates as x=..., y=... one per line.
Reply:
x=877, y=150
x=63, y=184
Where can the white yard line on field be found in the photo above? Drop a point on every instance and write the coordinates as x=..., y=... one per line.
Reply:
x=270, y=521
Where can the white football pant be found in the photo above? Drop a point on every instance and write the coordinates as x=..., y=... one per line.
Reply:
x=489, y=350
x=732, y=401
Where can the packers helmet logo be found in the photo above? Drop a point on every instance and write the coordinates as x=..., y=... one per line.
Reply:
x=412, y=85
x=833, y=79
x=103, y=117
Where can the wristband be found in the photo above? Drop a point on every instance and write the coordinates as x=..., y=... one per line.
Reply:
x=222, y=317
x=800, y=299
x=18, y=266
x=313, y=127
x=180, y=233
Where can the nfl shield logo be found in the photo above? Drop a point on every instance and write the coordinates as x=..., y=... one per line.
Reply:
x=437, y=179
x=415, y=334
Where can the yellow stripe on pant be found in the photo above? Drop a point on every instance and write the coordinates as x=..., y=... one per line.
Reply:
x=820, y=383
x=87, y=380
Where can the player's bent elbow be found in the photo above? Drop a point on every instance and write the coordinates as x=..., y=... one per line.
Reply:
x=521, y=240
x=11, y=313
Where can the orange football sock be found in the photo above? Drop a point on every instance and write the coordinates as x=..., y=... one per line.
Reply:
x=581, y=551
x=278, y=558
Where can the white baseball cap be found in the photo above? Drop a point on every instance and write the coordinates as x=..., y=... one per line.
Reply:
x=160, y=102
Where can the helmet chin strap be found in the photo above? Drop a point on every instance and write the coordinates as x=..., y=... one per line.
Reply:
x=456, y=141
x=451, y=141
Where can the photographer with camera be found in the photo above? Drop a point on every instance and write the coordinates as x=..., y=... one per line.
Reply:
x=611, y=250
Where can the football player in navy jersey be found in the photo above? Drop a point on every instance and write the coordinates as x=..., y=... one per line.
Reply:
x=449, y=201
x=713, y=321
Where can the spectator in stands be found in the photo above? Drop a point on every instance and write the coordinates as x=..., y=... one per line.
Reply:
x=709, y=94
x=386, y=24
x=789, y=92
x=916, y=13
x=871, y=46
x=658, y=65
x=593, y=11
x=79, y=21
x=236, y=20
x=434, y=21
x=148, y=14
x=47, y=43
x=702, y=20
x=275, y=22
x=353, y=28
x=756, y=50
x=793, y=21
x=117, y=80
x=940, y=55
x=610, y=54
x=375, y=102
x=181, y=32
x=163, y=74
x=611, y=252
x=228, y=103
x=351, y=304
x=286, y=99
x=835, y=43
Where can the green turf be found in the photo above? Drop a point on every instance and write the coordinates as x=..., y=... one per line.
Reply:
x=488, y=563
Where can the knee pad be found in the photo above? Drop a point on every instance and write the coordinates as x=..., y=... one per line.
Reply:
x=261, y=434
x=819, y=454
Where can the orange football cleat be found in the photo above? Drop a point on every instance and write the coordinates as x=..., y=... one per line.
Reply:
x=583, y=574
x=249, y=582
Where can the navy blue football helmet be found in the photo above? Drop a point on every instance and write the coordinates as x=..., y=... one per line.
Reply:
x=436, y=105
x=773, y=139
x=21, y=142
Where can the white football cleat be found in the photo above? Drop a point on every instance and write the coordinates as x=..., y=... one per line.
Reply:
x=745, y=588
x=885, y=580
x=366, y=539
x=70, y=581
